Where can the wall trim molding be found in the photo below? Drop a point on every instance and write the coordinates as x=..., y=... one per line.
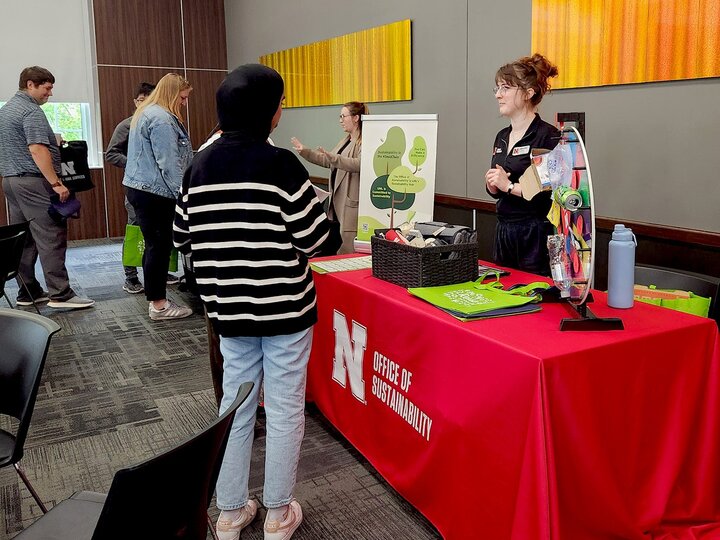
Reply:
x=653, y=230
x=319, y=180
x=664, y=232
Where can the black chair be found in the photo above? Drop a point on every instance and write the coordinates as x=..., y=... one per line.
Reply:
x=24, y=342
x=12, y=242
x=165, y=497
x=669, y=278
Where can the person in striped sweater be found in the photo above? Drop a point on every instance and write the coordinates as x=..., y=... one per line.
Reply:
x=249, y=215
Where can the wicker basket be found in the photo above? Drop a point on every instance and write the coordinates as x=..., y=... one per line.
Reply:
x=410, y=266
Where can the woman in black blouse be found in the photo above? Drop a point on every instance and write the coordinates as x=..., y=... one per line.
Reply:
x=522, y=228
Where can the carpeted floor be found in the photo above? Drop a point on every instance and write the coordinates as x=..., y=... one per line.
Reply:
x=118, y=388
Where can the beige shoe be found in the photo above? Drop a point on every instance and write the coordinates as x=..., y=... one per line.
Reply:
x=76, y=302
x=230, y=530
x=170, y=311
x=283, y=530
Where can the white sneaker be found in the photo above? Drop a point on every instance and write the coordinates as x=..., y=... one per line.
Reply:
x=283, y=530
x=230, y=530
x=170, y=311
x=76, y=302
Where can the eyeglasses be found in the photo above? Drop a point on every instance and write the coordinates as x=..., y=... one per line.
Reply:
x=502, y=89
x=345, y=116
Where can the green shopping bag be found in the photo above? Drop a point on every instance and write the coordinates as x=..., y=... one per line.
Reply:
x=475, y=300
x=685, y=301
x=134, y=247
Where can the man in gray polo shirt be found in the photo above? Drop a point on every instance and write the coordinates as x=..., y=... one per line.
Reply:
x=29, y=165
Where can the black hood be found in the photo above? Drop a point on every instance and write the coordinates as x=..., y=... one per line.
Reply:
x=248, y=99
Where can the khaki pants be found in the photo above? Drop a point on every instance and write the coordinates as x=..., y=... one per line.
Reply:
x=28, y=199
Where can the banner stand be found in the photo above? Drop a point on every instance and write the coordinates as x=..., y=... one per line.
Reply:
x=397, y=173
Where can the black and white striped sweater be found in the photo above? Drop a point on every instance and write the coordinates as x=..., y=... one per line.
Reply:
x=249, y=215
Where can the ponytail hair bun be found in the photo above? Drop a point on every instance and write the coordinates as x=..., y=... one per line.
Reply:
x=529, y=72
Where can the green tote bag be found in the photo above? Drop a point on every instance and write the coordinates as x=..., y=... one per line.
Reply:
x=134, y=247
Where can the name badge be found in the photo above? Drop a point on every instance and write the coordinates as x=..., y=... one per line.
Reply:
x=520, y=150
x=497, y=150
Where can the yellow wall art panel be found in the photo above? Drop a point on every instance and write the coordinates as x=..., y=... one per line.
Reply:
x=602, y=42
x=368, y=66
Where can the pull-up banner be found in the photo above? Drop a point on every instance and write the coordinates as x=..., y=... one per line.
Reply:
x=397, y=172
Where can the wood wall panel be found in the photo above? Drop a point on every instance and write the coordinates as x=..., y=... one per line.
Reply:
x=138, y=32
x=92, y=212
x=205, y=40
x=115, y=197
x=117, y=86
x=142, y=41
x=201, y=107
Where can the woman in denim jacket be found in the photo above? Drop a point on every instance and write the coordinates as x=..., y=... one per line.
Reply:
x=159, y=151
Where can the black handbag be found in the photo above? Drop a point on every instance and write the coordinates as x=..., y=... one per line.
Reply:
x=74, y=169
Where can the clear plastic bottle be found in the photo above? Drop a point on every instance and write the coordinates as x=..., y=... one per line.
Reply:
x=621, y=267
x=559, y=264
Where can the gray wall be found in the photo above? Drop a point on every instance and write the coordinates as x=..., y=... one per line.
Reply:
x=651, y=147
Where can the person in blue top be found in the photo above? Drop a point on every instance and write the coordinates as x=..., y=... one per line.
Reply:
x=116, y=154
x=159, y=151
x=522, y=228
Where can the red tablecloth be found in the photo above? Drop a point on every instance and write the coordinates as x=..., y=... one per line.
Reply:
x=509, y=428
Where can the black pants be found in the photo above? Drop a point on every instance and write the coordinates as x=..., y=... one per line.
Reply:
x=523, y=245
x=155, y=216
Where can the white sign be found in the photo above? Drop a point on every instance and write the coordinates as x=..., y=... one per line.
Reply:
x=397, y=171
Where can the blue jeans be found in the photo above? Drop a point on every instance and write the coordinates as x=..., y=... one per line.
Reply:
x=280, y=363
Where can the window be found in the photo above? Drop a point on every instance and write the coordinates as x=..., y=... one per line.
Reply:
x=66, y=118
x=72, y=120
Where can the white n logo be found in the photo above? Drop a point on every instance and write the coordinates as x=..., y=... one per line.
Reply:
x=67, y=169
x=348, y=360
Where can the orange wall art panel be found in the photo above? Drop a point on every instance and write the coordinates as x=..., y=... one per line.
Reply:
x=369, y=66
x=602, y=42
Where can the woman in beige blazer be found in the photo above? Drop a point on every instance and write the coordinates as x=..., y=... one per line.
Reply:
x=344, y=164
